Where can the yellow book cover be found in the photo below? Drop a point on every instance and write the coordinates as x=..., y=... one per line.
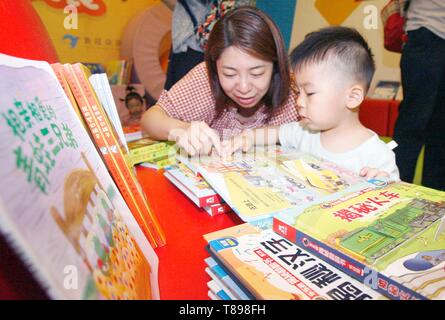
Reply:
x=390, y=236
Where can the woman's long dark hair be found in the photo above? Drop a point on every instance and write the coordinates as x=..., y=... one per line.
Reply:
x=254, y=32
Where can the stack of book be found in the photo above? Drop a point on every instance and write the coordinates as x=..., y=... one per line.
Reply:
x=249, y=263
x=391, y=237
x=154, y=154
x=196, y=189
x=387, y=235
x=226, y=283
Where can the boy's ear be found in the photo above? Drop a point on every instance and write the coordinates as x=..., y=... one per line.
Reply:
x=354, y=96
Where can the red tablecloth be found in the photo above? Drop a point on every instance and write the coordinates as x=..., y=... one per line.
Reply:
x=181, y=260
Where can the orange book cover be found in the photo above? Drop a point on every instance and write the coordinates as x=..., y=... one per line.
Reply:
x=95, y=117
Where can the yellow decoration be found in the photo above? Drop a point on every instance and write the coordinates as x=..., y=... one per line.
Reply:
x=99, y=32
x=336, y=12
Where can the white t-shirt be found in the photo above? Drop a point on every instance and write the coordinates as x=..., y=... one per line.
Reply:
x=372, y=153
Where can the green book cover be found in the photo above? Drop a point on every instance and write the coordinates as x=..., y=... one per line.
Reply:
x=396, y=230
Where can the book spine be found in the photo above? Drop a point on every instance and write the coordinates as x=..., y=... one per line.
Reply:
x=209, y=200
x=148, y=149
x=101, y=132
x=166, y=163
x=152, y=156
x=218, y=208
x=58, y=70
x=220, y=284
x=228, y=281
x=215, y=288
x=365, y=274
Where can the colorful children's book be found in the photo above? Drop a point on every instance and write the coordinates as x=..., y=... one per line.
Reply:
x=193, y=186
x=271, y=267
x=391, y=238
x=59, y=207
x=260, y=183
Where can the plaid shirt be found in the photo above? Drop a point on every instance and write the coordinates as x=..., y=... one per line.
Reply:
x=191, y=99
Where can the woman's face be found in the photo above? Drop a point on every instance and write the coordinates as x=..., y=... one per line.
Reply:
x=244, y=78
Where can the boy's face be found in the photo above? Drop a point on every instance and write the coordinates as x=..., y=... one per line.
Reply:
x=322, y=96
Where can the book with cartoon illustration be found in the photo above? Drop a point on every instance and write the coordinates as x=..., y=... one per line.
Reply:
x=59, y=207
x=391, y=237
x=267, y=180
x=271, y=267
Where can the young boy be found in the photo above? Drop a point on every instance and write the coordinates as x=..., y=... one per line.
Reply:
x=333, y=67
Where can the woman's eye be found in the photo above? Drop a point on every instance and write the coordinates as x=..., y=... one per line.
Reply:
x=257, y=75
x=310, y=93
x=229, y=75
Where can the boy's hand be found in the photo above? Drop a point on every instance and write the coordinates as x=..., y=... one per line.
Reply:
x=197, y=139
x=371, y=173
x=243, y=141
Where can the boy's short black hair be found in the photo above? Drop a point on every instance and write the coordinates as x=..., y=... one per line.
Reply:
x=341, y=43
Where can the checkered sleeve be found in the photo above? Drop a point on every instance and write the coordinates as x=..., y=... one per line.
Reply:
x=191, y=98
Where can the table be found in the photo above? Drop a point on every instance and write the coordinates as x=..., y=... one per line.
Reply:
x=181, y=260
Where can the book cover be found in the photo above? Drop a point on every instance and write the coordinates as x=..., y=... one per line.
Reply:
x=116, y=71
x=59, y=207
x=260, y=183
x=195, y=187
x=391, y=238
x=95, y=68
x=271, y=267
x=113, y=156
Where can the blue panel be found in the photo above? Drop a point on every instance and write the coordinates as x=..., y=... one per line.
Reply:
x=282, y=12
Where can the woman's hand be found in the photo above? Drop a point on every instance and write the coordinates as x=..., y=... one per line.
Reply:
x=197, y=139
x=244, y=142
x=370, y=173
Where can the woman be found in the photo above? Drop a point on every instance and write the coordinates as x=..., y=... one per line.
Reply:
x=244, y=83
